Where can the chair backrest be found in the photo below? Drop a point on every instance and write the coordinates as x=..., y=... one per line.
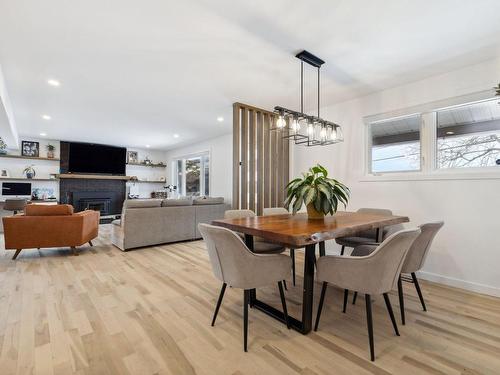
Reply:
x=15, y=204
x=420, y=248
x=372, y=233
x=238, y=214
x=275, y=211
x=228, y=254
x=385, y=263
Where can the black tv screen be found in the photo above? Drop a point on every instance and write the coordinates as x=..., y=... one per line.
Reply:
x=16, y=188
x=96, y=159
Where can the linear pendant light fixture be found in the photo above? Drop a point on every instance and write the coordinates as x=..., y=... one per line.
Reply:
x=301, y=128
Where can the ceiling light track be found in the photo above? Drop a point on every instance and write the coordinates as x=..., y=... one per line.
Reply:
x=301, y=128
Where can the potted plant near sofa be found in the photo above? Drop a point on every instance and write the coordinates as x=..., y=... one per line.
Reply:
x=321, y=194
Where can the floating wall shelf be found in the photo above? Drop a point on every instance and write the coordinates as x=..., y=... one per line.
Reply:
x=28, y=157
x=92, y=177
x=27, y=179
x=148, y=165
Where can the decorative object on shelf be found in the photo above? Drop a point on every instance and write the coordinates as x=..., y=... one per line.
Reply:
x=147, y=161
x=29, y=171
x=30, y=148
x=132, y=157
x=53, y=176
x=300, y=127
x=320, y=194
x=159, y=194
x=3, y=147
x=162, y=179
x=497, y=90
x=50, y=151
x=42, y=194
x=4, y=173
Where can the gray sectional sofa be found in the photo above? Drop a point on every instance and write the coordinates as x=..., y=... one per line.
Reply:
x=146, y=222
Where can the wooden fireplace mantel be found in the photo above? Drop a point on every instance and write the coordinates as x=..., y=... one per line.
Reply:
x=92, y=176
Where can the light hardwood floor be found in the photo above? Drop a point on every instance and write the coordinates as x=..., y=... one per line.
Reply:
x=148, y=312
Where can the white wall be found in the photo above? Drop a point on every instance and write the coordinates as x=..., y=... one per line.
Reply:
x=221, y=163
x=466, y=253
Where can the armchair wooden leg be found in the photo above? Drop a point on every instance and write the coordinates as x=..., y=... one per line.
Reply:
x=246, y=301
x=284, y=284
x=16, y=254
x=419, y=292
x=74, y=250
x=401, y=300
x=292, y=255
x=342, y=250
x=346, y=296
x=283, y=303
x=219, y=301
x=320, y=306
x=90, y=243
x=369, y=321
x=354, y=298
x=391, y=313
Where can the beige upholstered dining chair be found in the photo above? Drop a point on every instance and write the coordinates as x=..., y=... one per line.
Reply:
x=282, y=211
x=235, y=265
x=377, y=273
x=414, y=261
x=368, y=236
x=15, y=205
x=260, y=246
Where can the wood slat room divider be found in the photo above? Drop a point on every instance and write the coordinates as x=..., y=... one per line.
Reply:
x=260, y=160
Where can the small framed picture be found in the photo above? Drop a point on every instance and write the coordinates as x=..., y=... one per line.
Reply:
x=4, y=173
x=132, y=157
x=29, y=148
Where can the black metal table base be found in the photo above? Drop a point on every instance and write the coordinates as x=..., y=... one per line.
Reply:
x=304, y=325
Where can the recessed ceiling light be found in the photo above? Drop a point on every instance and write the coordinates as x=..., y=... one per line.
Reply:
x=220, y=119
x=43, y=134
x=450, y=133
x=148, y=146
x=46, y=117
x=176, y=135
x=54, y=82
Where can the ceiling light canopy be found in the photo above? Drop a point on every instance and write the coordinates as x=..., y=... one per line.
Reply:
x=54, y=82
x=301, y=128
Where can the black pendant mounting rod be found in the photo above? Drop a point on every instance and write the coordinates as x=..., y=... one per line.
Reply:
x=312, y=60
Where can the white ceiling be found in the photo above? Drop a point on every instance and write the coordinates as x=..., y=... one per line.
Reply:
x=136, y=72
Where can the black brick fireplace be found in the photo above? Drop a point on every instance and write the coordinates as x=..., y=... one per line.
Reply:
x=103, y=195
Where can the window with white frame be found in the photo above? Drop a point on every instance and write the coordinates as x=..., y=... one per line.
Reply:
x=192, y=174
x=468, y=136
x=462, y=137
x=395, y=144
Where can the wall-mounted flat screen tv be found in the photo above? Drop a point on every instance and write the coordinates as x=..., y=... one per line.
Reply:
x=16, y=188
x=96, y=159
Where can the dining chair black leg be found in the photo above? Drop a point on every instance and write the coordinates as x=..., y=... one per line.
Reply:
x=292, y=255
x=419, y=292
x=391, y=313
x=219, y=301
x=401, y=300
x=369, y=322
x=342, y=250
x=283, y=303
x=246, y=301
x=354, y=298
x=320, y=306
x=346, y=296
x=322, y=250
x=284, y=284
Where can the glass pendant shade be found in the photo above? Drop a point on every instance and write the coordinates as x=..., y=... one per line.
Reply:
x=280, y=122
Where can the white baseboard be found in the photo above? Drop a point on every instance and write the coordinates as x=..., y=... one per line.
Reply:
x=462, y=284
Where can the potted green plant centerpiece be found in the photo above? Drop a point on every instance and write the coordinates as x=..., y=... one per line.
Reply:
x=29, y=171
x=321, y=194
x=3, y=147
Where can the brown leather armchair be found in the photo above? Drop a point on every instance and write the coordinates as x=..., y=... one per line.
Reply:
x=50, y=226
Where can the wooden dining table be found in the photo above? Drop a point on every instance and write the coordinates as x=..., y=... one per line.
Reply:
x=297, y=231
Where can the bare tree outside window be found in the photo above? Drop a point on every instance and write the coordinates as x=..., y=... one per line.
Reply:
x=468, y=136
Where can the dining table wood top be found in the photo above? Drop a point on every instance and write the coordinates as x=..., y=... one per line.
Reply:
x=298, y=230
